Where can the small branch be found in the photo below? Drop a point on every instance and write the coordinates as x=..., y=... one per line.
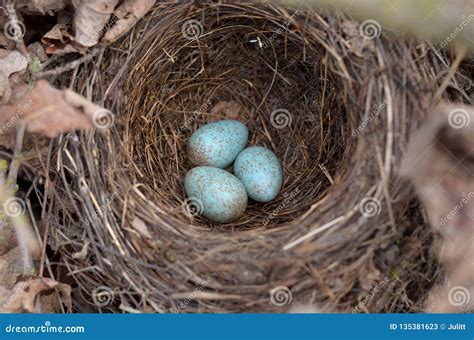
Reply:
x=13, y=208
x=70, y=66
x=16, y=159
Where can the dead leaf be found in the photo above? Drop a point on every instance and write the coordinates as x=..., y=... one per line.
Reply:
x=81, y=255
x=23, y=297
x=299, y=308
x=227, y=109
x=7, y=239
x=49, y=111
x=36, y=50
x=41, y=6
x=10, y=62
x=91, y=18
x=59, y=32
x=10, y=268
x=59, y=40
x=4, y=41
x=141, y=227
x=440, y=163
x=126, y=15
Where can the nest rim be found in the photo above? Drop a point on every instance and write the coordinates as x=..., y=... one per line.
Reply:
x=193, y=265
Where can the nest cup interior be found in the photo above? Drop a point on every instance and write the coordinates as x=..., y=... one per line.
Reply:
x=287, y=97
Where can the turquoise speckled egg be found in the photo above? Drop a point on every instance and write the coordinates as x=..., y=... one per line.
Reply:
x=217, y=144
x=221, y=196
x=260, y=171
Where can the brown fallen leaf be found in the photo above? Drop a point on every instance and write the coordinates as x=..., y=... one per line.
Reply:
x=141, y=227
x=49, y=111
x=11, y=267
x=440, y=163
x=10, y=63
x=299, y=308
x=40, y=6
x=24, y=296
x=9, y=44
x=7, y=240
x=59, y=32
x=59, y=40
x=90, y=19
x=126, y=16
x=227, y=109
x=82, y=254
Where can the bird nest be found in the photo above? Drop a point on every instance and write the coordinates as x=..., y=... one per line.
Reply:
x=334, y=99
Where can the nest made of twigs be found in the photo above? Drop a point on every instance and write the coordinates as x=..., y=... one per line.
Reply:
x=345, y=221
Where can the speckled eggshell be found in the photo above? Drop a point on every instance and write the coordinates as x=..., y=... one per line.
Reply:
x=222, y=195
x=260, y=172
x=217, y=144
